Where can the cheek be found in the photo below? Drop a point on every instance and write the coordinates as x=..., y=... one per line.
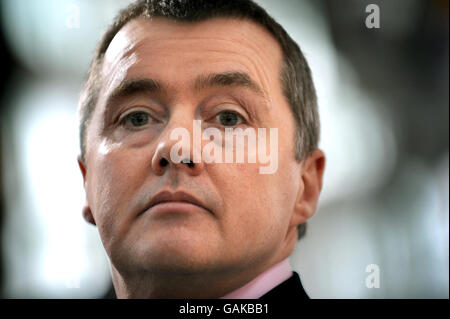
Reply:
x=115, y=178
x=256, y=206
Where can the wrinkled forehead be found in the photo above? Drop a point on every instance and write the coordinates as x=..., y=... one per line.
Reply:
x=157, y=31
x=150, y=42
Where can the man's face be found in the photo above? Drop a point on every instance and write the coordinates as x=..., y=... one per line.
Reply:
x=246, y=216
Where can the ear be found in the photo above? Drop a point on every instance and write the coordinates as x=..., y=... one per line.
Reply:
x=310, y=186
x=87, y=213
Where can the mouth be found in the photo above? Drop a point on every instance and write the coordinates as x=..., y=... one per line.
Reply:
x=178, y=202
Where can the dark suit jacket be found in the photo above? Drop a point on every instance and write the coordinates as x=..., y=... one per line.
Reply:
x=291, y=289
x=285, y=299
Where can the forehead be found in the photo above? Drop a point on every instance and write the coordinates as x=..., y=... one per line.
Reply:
x=177, y=51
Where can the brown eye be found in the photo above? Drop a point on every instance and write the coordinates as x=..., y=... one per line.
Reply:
x=228, y=118
x=136, y=119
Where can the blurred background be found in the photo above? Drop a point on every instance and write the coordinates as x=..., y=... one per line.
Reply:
x=384, y=101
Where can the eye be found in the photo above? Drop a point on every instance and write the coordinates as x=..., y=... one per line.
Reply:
x=230, y=118
x=136, y=119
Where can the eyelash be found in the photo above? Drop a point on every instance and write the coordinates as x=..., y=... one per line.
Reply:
x=128, y=116
x=240, y=117
x=122, y=120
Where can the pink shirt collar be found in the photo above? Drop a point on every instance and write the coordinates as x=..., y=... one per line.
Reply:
x=263, y=283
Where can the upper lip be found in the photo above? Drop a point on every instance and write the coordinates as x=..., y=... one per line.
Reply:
x=180, y=196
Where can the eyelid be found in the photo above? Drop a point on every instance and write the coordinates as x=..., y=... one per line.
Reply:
x=224, y=108
x=244, y=120
x=136, y=109
x=216, y=120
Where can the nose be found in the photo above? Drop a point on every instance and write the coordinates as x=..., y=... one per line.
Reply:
x=164, y=159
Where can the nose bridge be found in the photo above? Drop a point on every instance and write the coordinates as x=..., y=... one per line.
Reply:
x=176, y=146
x=179, y=129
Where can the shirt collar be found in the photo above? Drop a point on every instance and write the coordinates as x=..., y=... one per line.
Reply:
x=263, y=283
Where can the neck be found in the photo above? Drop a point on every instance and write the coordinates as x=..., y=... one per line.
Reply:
x=199, y=285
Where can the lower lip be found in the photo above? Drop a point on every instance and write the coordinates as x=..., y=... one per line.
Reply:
x=176, y=207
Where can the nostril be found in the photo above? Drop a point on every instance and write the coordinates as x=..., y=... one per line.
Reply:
x=188, y=162
x=163, y=162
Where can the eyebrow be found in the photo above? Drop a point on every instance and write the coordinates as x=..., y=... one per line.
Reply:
x=148, y=85
x=134, y=86
x=228, y=79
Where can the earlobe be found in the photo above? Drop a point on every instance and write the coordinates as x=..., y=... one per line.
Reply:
x=310, y=187
x=87, y=214
x=86, y=211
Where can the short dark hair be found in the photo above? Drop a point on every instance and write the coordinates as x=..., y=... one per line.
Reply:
x=295, y=76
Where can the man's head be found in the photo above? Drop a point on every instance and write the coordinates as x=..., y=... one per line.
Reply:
x=162, y=65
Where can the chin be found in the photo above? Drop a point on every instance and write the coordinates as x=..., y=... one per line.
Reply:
x=176, y=253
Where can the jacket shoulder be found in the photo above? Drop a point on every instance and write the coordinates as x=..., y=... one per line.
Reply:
x=291, y=288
